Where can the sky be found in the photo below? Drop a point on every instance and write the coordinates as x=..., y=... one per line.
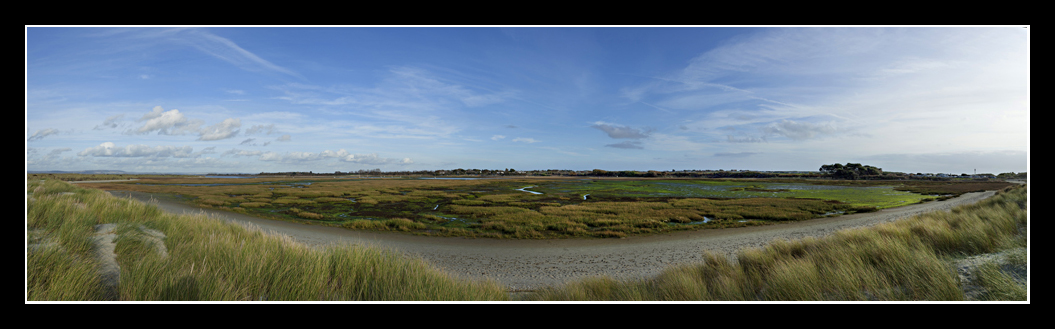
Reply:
x=192, y=99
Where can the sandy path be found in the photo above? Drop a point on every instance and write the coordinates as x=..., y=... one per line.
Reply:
x=530, y=264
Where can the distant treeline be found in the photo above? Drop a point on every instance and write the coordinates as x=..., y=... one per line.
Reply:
x=557, y=172
x=849, y=171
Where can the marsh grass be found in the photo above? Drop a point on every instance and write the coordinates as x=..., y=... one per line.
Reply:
x=903, y=260
x=494, y=208
x=952, y=188
x=210, y=259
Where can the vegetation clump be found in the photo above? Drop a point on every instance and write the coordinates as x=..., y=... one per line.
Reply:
x=851, y=171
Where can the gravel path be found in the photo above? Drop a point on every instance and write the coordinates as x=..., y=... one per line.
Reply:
x=524, y=265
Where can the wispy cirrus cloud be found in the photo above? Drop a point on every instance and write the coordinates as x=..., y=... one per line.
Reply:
x=745, y=139
x=265, y=129
x=408, y=102
x=110, y=122
x=425, y=84
x=241, y=153
x=626, y=145
x=798, y=130
x=735, y=154
x=42, y=133
x=228, y=51
x=145, y=41
x=407, y=88
x=623, y=132
x=619, y=131
x=799, y=84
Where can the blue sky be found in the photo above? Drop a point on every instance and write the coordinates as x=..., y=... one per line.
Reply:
x=323, y=99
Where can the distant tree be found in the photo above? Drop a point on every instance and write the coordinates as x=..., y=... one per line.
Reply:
x=1012, y=175
x=852, y=171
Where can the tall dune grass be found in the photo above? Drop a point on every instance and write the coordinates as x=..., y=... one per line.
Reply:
x=212, y=260
x=902, y=260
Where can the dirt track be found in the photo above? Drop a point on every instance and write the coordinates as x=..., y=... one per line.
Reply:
x=530, y=264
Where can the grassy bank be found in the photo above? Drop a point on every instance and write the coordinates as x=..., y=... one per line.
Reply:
x=905, y=260
x=207, y=259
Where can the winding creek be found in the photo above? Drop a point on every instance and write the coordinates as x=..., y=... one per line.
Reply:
x=524, y=189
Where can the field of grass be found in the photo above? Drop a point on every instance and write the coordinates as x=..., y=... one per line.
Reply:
x=215, y=260
x=504, y=208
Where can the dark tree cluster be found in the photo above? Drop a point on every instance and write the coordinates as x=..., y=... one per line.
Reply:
x=851, y=171
x=1012, y=175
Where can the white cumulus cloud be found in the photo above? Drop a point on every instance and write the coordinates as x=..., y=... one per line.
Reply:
x=109, y=149
x=163, y=122
x=173, y=122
